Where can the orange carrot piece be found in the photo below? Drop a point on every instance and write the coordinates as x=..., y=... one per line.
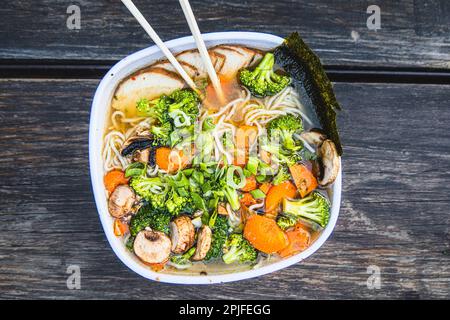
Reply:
x=245, y=137
x=250, y=184
x=299, y=239
x=247, y=199
x=265, y=187
x=120, y=228
x=303, y=178
x=277, y=193
x=264, y=234
x=114, y=178
x=168, y=160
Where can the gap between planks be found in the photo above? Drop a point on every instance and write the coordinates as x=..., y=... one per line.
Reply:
x=76, y=69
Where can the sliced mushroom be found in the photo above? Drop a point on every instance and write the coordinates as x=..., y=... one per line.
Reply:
x=203, y=243
x=121, y=201
x=142, y=155
x=152, y=246
x=329, y=163
x=183, y=234
x=314, y=137
x=136, y=143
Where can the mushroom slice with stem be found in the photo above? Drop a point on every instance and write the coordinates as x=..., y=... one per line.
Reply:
x=152, y=246
x=182, y=233
x=314, y=137
x=203, y=243
x=121, y=201
x=136, y=143
x=329, y=163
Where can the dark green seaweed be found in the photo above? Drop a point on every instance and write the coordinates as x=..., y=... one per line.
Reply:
x=297, y=59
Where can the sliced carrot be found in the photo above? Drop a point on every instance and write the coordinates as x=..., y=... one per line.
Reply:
x=114, y=178
x=120, y=228
x=264, y=234
x=265, y=156
x=250, y=184
x=299, y=239
x=245, y=137
x=277, y=193
x=265, y=187
x=157, y=266
x=222, y=210
x=247, y=199
x=170, y=160
x=303, y=178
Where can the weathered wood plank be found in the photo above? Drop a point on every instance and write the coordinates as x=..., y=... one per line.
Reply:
x=412, y=34
x=394, y=212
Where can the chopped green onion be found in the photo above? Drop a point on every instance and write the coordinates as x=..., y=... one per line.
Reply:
x=258, y=194
x=231, y=175
x=252, y=165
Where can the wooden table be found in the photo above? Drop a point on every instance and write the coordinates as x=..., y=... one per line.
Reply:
x=393, y=84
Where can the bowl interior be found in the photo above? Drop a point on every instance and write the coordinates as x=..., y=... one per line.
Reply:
x=99, y=112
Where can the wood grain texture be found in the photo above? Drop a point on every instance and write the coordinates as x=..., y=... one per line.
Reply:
x=394, y=211
x=414, y=33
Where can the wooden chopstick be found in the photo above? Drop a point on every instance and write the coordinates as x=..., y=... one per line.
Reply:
x=187, y=10
x=148, y=28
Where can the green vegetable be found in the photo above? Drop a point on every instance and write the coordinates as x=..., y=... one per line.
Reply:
x=282, y=156
x=238, y=249
x=130, y=243
x=252, y=165
x=283, y=128
x=177, y=204
x=152, y=189
x=285, y=222
x=148, y=216
x=281, y=176
x=186, y=101
x=258, y=194
x=232, y=197
x=263, y=81
x=314, y=207
x=295, y=57
x=135, y=169
x=208, y=124
x=219, y=237
x=231, y=177
x=162, y=134
x=183, y=261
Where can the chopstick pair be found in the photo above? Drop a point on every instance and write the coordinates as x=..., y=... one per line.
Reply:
x=187, y=10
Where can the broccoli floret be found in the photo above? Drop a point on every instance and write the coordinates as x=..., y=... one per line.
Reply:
x=219, y=237
x=148, y=216
x=282, y=156
x=285, y=222
x=183, y=261
x=283, y=128
x=161, y=134
x=153, y=189
x=281, y=176
x=186, y=101
x=314, y=207
x=177, y=204
x=157, y=109
x=237, y=249
x=263, y=81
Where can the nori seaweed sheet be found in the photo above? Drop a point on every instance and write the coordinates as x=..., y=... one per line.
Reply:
x=298, y=60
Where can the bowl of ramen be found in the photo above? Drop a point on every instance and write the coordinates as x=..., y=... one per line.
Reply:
x=199, y=186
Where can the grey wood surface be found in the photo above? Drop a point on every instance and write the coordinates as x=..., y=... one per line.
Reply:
x=395, y=207
x=414, y=33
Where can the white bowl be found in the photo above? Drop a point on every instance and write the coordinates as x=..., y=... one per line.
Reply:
x=98, y=122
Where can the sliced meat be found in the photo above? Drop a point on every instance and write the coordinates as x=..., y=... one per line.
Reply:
x=121, y=201
x=203, y=243
x=165, y=64
x=152, y=246
x=236, y=58
x=182, y=233
x=148, y=83
x=193, y=58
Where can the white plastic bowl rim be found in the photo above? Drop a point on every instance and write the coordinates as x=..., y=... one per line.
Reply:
x=99, y=109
